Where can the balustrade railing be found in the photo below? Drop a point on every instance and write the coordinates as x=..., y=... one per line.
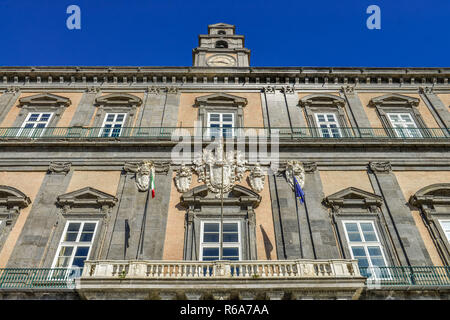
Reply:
x=167, y=133
x=221, y=269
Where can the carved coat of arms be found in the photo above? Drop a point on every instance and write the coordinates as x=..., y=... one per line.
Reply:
x=183, y=179
x=256, y=179
x=143, y=175
x=295, y=169
x=220, y=170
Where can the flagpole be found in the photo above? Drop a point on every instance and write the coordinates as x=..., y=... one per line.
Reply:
x=221, y=210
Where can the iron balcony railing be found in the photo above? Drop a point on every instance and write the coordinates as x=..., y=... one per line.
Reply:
x=406, y=276
x=166, y=133
x=38, y=278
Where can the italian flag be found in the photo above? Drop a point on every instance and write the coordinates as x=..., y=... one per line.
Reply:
x=152, y=181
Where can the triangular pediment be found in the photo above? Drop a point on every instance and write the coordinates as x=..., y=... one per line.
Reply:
x=119, y=99
x=321, y=99
x=353, y=193
x=221, y=25
x=221, y=99
x=45, y=99
x=86, y=196
x=353, y=199
x=394, y=99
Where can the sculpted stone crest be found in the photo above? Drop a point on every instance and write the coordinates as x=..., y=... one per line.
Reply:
x=143, y=170
x=256, y=179
x=143, y=175
x=294, y=168
x=183, y=179
x=208, y=167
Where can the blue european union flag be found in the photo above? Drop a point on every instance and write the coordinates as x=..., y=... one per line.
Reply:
x=298, y=191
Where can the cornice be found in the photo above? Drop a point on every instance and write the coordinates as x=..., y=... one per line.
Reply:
x=320, y=77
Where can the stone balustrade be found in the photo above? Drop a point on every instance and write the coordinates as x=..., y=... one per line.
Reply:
x=221, y=269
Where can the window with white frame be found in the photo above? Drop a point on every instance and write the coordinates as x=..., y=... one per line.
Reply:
x=365, y=246
x=113, y=124
x=445, y=224
x=404, y=125
x=76, y=244
x=328, y=124
x=210, y=241
x=221, y=124
x=35, y=122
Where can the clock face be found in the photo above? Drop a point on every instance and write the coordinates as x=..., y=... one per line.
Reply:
x=221, y=61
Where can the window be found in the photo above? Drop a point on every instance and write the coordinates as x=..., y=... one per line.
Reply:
x=221, y=44
x=112, y=126
x=445, y=224
x=365, y=246
x=221, y=32
x=35, y=121
x=404, y=125
x=76, y=244
x=221, y=124
x=210, y=241
x=328, y=124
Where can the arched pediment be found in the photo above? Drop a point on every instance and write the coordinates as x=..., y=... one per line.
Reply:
x=353, y=198
x=433, y=194
x=86, y=197
x=394, y=99
x=221, y=100
x=321, y=99
x=238, y=196
x=45, y=99
x=12, y=197
x=119, y=99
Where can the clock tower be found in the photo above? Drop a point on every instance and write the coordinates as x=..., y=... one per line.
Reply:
x=221, y=47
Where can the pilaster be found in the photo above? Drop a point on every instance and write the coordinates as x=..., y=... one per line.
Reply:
x=405, y=228
x=37, y=231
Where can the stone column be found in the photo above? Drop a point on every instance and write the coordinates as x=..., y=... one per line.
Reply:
x=86, y=108
x=323, y=238
x=152, y=112
x=34, y=239
x=287, y=235
x=295, y=112
x=170, y=115
x=400, y=215
x=276, y=106
x=131, y=208
x=7, y=101
x=157, y=212
x=357, y=109
x=436, y=106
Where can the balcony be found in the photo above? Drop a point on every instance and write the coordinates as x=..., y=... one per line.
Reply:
x=205, y=134
x=221, y=279
x=294, y=279
x=415, y=277
x=37, y=278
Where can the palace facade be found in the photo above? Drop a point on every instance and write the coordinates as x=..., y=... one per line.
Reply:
x=81, y=148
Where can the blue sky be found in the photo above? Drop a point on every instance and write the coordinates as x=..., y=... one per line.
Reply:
x=278, y=32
